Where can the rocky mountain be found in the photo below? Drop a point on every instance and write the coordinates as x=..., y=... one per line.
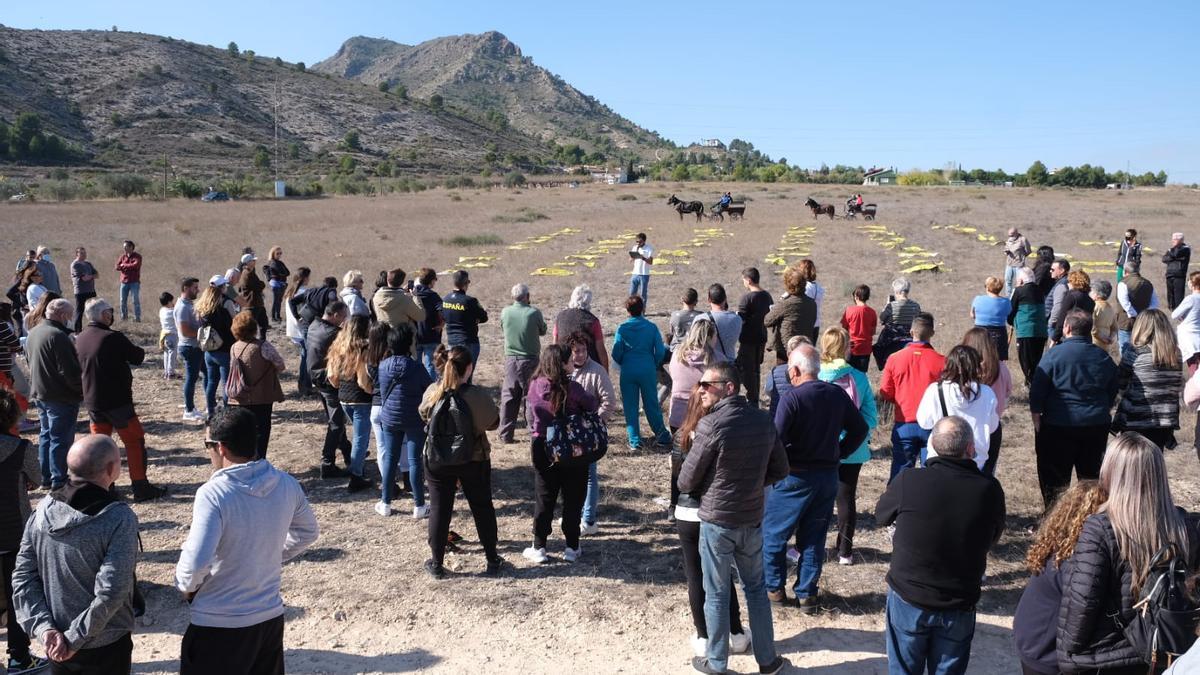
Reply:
x=488, y=75
x=130, y=99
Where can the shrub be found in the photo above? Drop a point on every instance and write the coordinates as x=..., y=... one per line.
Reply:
x=59, y=190
x=293, y=150
x=125, y=185
x=627, y=198
x=383, y=86
x=262, y=158
x=513, y=180
x=232, y=49
x=525, y=215
x=188, y=189
x=278, y=61
x=401, y=92
x=486, y=239
x=436, y=102
x=347, y=164
x=351, y=140
x=300, y=67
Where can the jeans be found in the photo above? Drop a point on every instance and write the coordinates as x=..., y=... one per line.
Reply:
x=689, y=543
x=410, y=441
x=133, y=288
x=637, y=385
x=56, y=436
x=277, y=303
x=359, y=417
x=193, y=364
x=170, y=352
x=425, y=354
x=920, y=640
x=1123, y=341
x=1010, y=273
x=749, y=363
x=639, y=284
x=335, y=429
x=377, y=429
x=1060, y=449
x=722, y=550
x=593, y=496
x=262, y=426
x=908, y=445
x=217, y=366
x=802, y=503
x=303, y=381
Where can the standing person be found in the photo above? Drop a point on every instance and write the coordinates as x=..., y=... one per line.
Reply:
x=1016, y=249
x=402, y=381
x=896, y=318
x=310, y=306
x=233, y=277
x=188, y=324
x=1177, y=258
x=990, y=312
x=296, y=290
x=1036, y=618
x=596, y=383
x=277, y=273
x=1129, y=251
x=578, y=318
x=251, y=293
x=475, y=475
x=553, y=394
x=1027, y=316
x=994, y=373
x=643, y=257
x=429, y=329
x=48, y=270
x=34, y=288
x=168, y=334
x=56, y=385
x=1138, y=527
x=18, y=468
x=907, y=375
x=681, y=319
x=1059, y=272
x=752, y=342
x=463, y=314
x=1187, y=313
x=105, y=356
x=216, y=312
x=728, y=324
x=834, y=369
x=394, y=304
x=1078, y=296
x=523, y=326
x=129, y=267
x=687, y=366
x=83, y=281
x=1104, y=316
x=247, y=520
x=1135, y=294
x=1041, y=270
x=860, y=321
x=794, y=314
x=1069, y=401
x=959, y=391
x=1150, y=381
x=260, y=365
x=734, y=454
x=816, y=291
x=346, y=369
x=351, y=294
x=638, y=349
x=318, y=341
x=74, y=581
x=779, y=382
x=819, y=425
x=939, y=554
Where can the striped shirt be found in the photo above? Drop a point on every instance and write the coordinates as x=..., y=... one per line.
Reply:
x=901, y=311
x=9, y=345
x=1149, y=395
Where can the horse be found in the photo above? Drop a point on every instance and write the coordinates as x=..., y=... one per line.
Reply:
x=818, y=209
x=687, y=207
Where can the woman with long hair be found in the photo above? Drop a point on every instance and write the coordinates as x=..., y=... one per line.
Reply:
x=687, y=524
x=296, y=289
x=379, y=347
x=687, y=366
x=833, y=348
x=960, y=391
x=456, y=365
x=1111, y=563
x=216, y=311
x=638, y=348
x=553, y=394
x=277, y=278
x=261, y=366
x=1036, y=617
x=402, y=382
x=37, y=313
x=994, y=373
x=814, y=290
x=346, y=369
x=1150, y=380
x=1027, y=316
x=32, y=286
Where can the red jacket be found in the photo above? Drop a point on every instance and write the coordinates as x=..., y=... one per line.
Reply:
x=130, y=267
x=860, y=322
x=907, y=375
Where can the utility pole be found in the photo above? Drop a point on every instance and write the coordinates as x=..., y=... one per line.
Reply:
x=165, y=165
x=276, y=163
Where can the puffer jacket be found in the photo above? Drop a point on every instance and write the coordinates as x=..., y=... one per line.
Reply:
x=791, y=315
x=402, y=383
x=735, y=454
x=842, y=374
x=1149, y=395
x=1095, y=586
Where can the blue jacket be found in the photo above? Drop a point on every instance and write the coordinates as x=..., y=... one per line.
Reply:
x=402, y=383
x=638, y=346
x=1074, y=385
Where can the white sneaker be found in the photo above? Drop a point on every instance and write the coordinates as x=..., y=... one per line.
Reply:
x=699, y=646
x=845, y=560
x=740, y=644
x=537, y=555
x=589, y=530
x=420, y=512
x=193, y=416
x=572, y=554
x=383, y=508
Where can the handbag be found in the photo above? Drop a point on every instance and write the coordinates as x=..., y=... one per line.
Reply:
x=576, y=440
x=235, y=384
x=209, y=339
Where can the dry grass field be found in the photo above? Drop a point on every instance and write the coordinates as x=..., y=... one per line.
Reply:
x=359, y=600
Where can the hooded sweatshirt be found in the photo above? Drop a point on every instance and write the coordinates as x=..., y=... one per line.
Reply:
x=638, y=346
x=855, y=383
x=394, y=306
x=247, y=520
x=75, y=569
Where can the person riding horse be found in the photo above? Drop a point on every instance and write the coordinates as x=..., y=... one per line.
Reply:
x=726, y=200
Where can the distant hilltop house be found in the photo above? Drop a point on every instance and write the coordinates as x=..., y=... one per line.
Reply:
x=878, y=177
x=609, y=176
x=712, y=143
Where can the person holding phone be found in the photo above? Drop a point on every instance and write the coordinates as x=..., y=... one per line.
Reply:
x=643, y=257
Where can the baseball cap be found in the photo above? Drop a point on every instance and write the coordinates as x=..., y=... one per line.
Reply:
x=249, y=257
x=217, y=280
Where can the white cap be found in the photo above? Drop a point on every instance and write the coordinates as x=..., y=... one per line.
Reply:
x=249, y=257
x=217, y=280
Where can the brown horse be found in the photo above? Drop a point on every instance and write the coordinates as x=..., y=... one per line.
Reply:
x=817, y=209
x=687, y=207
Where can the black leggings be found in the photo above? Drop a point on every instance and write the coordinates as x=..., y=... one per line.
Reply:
x=18, y=641
x=1029, y=354
x=276, y=303
x=847, y=507
x=476, y=480
x=689, y=541
x=989, y=467
x=572, y=482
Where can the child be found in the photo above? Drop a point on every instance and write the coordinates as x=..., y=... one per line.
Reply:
x=168, y=337
x=860, y=321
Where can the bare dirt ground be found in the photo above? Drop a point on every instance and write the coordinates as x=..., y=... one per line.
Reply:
x=359, y=601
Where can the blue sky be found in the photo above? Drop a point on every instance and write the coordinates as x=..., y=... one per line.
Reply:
x=910, y=84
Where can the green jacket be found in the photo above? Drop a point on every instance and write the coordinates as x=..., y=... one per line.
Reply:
x=523, y=327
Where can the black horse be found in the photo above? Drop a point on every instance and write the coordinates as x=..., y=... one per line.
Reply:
x=817, y=209
x=687, y=207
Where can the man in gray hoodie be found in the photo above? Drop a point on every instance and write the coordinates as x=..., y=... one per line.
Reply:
x=74, y=581
x=248, y=519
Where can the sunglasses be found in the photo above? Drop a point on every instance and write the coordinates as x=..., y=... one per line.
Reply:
x=711, y=383
x=211, y=445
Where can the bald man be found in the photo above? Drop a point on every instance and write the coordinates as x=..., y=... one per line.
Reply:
x=74, y=581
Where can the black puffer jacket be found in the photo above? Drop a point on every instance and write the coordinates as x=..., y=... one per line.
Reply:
x=1095, y=586
x=735, y=454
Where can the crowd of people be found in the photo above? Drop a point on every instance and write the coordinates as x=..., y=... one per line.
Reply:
x=759, y=469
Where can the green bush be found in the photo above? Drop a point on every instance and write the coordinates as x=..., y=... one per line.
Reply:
x=525, y=215
x=232, y=49
x=486, y=239
x=513, y=180
x=59, y=190
x=188, y=189
x=125, y=185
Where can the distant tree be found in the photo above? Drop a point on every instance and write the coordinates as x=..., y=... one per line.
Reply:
x=347, y=164
x=1037, y=174
x=262, y=158
x=514, y=180
x=1160, y=178
x=188, y=189
x=156, y=69
x=384, y=168
x=436, y=102
x=233, y=49
x=114, y=28
x=126, y=185
x=249, y=56
x=293, y=150
x=401, y=92
x=351, y=140
x=680, y=172
x=278, y=61
x=116, y=119
x=383, y=86
x=212, y=88
x=300, y=67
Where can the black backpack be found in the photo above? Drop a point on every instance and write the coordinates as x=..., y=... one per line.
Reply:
x=1166, y=613
x=315, y=302
x=450, y=437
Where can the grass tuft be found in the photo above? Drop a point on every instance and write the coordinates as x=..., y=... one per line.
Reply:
x=525, y=215
x=487, y=239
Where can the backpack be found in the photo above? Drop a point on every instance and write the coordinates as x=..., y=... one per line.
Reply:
x=576, y=440
x=1166, y=614
x=450, y=436
x=314, y=303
